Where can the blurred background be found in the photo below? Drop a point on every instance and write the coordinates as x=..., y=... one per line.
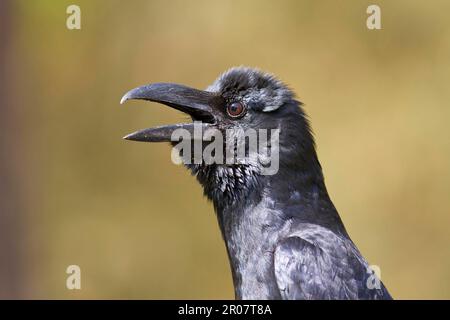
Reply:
x=73, y=192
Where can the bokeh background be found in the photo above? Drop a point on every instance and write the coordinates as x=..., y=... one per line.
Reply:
x=73, y=192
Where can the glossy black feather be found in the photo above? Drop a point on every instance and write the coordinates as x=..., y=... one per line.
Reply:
x=318, y=264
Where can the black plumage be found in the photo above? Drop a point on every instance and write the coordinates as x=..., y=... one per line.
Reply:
x=284, y=237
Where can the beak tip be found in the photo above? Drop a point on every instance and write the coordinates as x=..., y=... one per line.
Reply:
x=135, y=136
x=124, y=98
x=128, y=137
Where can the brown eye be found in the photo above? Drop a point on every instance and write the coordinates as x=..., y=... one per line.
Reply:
x=236, y=109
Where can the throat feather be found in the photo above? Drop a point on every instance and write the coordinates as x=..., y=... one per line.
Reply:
x=226, y=185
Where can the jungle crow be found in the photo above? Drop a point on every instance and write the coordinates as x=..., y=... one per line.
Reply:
x=284, y=237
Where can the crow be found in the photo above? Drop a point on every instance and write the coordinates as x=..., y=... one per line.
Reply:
x=283, y=235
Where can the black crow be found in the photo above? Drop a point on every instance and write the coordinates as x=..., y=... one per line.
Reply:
x=284, y=237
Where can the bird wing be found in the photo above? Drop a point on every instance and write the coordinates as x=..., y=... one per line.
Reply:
x=322, y=268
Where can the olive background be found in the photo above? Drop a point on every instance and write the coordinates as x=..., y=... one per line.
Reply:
x=73, y=192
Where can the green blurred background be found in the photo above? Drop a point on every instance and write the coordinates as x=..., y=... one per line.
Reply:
x=74, y=192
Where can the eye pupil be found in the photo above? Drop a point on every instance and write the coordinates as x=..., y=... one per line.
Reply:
x=235, y=109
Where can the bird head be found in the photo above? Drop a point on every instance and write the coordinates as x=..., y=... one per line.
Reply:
x=239, y=100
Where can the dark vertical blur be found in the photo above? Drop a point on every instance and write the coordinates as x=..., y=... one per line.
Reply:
x=10, y=186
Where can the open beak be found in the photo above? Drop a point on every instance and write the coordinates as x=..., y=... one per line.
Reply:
x=201, y=105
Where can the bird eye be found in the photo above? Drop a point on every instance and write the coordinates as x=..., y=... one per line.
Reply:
x=236, y=109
